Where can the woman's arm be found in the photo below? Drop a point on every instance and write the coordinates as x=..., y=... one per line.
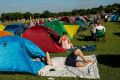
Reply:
x=60, y=40
x=68, y=40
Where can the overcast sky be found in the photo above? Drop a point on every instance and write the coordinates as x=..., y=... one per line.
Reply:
x=51, y=5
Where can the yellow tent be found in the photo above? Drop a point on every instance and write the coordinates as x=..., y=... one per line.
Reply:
x=1, y=27
x=5, y=33
x=71, y=29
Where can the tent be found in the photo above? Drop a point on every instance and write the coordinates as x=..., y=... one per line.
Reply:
x=81, y=22
x=1, y=27
x=118, y=19
x=86, y=18
x=16, y=55
x=16, y=28
x=115, y=17
x=41, y=21
x=44, y=37
x=71, y=29
x=82, y=18
x=65, y=19
x=46, y=21
x=59, y=28
x=4, y=33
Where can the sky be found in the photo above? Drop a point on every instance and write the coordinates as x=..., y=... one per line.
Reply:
x=39, y=6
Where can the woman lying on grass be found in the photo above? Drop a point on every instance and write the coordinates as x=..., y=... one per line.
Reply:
x=71, y=59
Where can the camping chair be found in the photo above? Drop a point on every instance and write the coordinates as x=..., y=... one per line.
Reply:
x=100, y=34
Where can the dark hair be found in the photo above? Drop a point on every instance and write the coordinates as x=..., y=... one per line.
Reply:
x=98, y=23
x=64, y=33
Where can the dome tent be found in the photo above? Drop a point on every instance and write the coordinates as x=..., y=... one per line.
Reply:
x=16, y=28
x=65, y=19
x=59, y=28
x=115, y=17
x=5, y=33
x=44, y=37
x=118, y=19
x=81, y=21
x=16, y=55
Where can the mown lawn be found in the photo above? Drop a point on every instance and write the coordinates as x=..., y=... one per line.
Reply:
x=107, y=53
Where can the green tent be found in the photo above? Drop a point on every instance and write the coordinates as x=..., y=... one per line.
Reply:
x=59, y=28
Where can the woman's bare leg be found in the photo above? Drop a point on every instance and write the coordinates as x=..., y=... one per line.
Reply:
x=49, y=62
x=81, y=64
x=79, y=53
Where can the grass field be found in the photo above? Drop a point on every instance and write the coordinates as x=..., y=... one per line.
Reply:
x=107, y=53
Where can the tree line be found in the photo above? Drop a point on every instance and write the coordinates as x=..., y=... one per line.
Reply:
x=17, y=15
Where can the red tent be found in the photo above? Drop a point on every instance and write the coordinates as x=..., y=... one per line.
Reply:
x=41, y=21
x=44, y=37
x=65, y=19
x=86, y=18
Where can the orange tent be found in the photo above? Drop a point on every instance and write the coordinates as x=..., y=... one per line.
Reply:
x=5, y=33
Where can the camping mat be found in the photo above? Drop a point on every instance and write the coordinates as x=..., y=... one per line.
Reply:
x=60, y=70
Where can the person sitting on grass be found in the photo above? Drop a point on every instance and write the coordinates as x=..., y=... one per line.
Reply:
x=71, y=59
x=65, y=42
x=97, y=26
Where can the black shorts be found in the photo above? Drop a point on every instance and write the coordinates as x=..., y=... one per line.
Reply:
x=70, y=62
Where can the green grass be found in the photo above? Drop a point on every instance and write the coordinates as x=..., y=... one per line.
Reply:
x=108, y=56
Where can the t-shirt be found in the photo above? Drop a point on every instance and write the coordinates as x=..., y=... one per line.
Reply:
x=99, y=28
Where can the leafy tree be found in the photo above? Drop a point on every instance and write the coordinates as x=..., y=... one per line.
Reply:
x=46, y=14
x=36, y=15
x=17, y=15
x=28, y=15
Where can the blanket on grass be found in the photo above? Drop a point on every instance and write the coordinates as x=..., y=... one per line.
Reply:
x=60, y=70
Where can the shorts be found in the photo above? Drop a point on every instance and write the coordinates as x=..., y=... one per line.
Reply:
x=70, y=62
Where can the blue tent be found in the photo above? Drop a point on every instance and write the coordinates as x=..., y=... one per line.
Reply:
x=114, y=17
x=80, y=22
x=16, y=28
x=16, y=55
x=118, y=19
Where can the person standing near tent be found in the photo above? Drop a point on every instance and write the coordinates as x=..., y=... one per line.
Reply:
x=65, y=42
x=31, y=24
x=71, y=59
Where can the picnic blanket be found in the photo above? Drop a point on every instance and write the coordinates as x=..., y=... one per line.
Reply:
x=60, y=70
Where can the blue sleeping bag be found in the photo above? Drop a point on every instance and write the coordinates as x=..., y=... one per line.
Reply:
x=87, y=47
